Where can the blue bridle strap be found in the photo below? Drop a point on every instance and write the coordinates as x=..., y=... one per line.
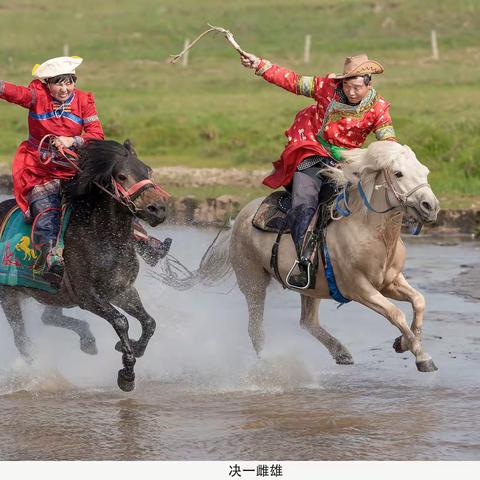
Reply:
x=345, y=211
x=366, y=202
x=343, y=197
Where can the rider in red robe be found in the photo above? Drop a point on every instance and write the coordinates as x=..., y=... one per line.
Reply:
x=57, y=108
x=346, y=111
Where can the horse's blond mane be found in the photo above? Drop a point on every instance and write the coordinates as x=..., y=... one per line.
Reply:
x=365, y=162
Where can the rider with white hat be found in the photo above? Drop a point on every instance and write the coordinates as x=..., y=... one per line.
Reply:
x=57, y=107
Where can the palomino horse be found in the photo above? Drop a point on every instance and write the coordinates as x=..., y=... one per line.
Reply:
x=101, y=266
x=365, y=249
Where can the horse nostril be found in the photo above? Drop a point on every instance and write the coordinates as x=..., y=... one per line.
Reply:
x=426, y=206
x=155, y=209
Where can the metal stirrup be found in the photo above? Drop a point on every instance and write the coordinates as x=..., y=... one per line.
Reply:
x=309, y=267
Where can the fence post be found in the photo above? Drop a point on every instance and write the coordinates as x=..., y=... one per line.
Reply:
x=435, y=53
x=306, y=49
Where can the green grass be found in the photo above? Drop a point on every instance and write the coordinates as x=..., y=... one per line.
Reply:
x=215, y=113
x=242, y=194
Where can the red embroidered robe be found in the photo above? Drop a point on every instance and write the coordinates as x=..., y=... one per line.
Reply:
x=329, y=122
x=76, y=117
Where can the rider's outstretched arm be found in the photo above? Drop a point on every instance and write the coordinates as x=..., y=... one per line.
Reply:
x=309, y=86
x=23, y=96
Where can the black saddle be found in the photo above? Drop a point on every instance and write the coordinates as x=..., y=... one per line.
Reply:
x=272, y=212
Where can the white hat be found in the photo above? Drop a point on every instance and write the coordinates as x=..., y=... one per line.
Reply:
x=56, y=66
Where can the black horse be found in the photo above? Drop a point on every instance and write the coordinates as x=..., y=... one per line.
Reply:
x=101, y=266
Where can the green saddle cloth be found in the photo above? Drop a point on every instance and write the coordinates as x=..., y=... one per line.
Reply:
x=17, y=254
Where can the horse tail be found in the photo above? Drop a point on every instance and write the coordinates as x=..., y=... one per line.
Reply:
x=215, y=266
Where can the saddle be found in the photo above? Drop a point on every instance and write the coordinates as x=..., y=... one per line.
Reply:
x=271, y=215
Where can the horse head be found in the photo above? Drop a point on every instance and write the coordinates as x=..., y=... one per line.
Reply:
x=115, y=168
x=404, y=178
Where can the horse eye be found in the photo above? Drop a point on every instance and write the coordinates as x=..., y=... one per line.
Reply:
x=121, y=177
x=398, y=174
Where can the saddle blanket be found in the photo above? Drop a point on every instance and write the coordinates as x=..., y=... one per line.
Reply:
x=18, y=255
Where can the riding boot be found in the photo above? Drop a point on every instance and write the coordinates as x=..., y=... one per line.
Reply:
x=151, y=249
x=303, y=278
x=50, y=265
x=299, y=220
x=47, y=216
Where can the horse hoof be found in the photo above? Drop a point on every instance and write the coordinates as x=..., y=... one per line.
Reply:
x=89, y=346
x=125, y=382
x=344, y=359
x=426, y=366
x=397, y=345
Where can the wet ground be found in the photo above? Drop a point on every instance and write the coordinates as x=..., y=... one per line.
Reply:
x=202, y=394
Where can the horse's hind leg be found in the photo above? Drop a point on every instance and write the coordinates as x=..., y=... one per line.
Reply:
x=130, y=302
x=401, y=290
x=9, y=299
x=253, y=281
x=309, y=321
x=55, y=317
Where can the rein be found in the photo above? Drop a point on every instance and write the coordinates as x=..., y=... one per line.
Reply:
x=119, y=194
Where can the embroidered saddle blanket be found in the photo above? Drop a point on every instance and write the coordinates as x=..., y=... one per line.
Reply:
x=18, y=255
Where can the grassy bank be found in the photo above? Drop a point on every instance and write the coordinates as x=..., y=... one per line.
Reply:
x=216, y=113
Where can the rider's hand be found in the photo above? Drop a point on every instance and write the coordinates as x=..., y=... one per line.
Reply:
x=64, y=142
x=249, y=60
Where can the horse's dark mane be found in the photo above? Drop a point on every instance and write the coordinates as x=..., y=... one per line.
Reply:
x=97, y=161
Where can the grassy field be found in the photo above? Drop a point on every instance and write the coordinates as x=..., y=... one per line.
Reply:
x=216, y=113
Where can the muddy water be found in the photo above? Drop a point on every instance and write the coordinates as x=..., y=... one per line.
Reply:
x=203, y=395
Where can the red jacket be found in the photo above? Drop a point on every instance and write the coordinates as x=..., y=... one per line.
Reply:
x=330, y=119
x=76, y=117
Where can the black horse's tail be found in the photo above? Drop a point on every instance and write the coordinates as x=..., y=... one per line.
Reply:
x=215, y=266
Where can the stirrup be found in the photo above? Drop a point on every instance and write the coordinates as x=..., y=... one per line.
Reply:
x=309, y=276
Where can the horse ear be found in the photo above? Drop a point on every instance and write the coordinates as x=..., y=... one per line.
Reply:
x=129, y=146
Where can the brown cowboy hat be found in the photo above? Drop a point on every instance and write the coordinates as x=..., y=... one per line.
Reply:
x=359, y=65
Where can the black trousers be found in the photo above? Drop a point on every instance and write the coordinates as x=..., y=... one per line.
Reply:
x=309, y=188
x=46, y=213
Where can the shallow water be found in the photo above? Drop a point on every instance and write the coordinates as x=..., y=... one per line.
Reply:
x=202, y=394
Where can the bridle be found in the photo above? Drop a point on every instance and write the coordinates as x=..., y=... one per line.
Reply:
x=402, y=197
x=118, y=193
x=342, y=202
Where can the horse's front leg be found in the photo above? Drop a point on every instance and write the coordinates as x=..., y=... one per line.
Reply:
x=401, y=290
x=126, y=376
x=130, y=302
x=372, y=298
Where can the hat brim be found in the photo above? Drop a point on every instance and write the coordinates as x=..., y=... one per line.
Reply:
x=56, y=66
x=371, y=67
